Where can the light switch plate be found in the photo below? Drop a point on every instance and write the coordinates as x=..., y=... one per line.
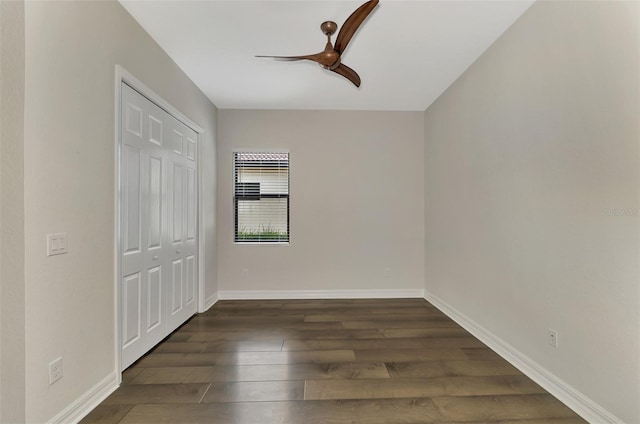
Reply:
x=56, y=244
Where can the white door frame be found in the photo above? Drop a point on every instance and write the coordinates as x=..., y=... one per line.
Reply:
x=122, y=75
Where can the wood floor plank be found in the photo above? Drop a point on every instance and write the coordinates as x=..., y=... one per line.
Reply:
x=206, y=324
x=334, y=310
x=571, y=420
x=179, y=335
x=375, y=333
x=481, y=354
x=180, y=347
x=426, y=322
x=225, y=373
x=419, y=387
x=264, y=318
x=269, y=345
x=206, y=334
x=494, y=408
x=368, y=411
x=106, y=414
x=131, y=373
x=386, y=411
x=255, y=391
x=368, y=317
x=246, y=358
x=410, y=355
x=450, y=368
x=157, y=393
x=370, y=344
x=252, y=335
x=326, y=334
x=407, y=333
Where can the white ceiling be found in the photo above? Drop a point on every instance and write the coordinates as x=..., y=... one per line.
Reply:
x=407, y=52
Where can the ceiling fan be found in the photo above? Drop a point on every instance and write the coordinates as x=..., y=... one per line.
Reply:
x=330, y=57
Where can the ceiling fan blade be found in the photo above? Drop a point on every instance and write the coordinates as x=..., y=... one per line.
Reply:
x=285, y=57
x=348, y=73
x=352, y=24
x=314, y=57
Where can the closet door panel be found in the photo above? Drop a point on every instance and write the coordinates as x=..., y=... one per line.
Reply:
x=158, y=224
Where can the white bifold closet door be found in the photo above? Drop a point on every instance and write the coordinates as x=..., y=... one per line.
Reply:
x=158, y=239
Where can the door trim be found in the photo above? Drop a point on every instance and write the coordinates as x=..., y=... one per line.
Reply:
x=123, y=76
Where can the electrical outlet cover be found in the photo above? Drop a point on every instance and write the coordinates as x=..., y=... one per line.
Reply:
x=552, y=338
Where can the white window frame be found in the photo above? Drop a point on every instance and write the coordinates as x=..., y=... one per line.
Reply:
x=235, y=199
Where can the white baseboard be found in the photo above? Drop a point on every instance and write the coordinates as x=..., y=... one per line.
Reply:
x=210, y=301
x=574, y=399
x=82, y=406
x=319, y=294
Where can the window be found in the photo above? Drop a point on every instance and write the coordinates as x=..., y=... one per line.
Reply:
x=261, y=197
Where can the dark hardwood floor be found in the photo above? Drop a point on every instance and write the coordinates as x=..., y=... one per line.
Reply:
x=326, y=361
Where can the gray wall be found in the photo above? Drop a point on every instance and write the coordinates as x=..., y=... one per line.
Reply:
x=65, y=304
x=356, y=201
x=532, y=200
x=12, y=319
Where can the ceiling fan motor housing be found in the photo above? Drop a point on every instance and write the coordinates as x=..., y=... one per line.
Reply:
x=329, y=28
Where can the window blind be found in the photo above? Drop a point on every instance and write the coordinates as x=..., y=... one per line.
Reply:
x=261, y=197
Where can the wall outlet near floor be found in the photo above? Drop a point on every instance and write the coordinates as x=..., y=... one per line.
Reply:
x=55, y=370
x=245, y=273
x=552, y=338
x=387, y=272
